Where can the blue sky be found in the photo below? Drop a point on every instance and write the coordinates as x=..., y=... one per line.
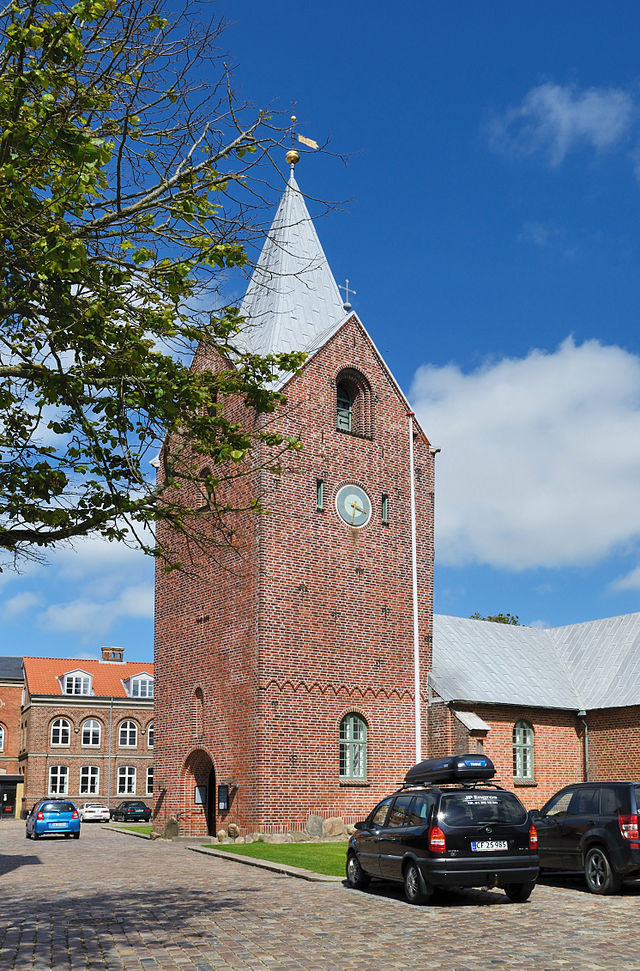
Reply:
x=490, y=228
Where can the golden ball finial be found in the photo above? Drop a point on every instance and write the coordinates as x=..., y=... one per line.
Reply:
x=293, y=119
x=293, y=157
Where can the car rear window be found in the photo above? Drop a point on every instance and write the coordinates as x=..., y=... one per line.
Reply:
x=57, y=807
x=479, y=807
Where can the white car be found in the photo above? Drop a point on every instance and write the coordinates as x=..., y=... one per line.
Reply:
x=95, y=812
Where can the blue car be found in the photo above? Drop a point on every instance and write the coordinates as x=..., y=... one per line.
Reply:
x=50, y=816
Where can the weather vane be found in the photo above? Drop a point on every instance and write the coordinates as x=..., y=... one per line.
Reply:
x=293, y=156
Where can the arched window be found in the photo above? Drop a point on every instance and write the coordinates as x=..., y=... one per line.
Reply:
x=89, y=780
x=1, y=738
x=128, y=734
x=353, y=403
x=522, y=750
x=60, y=732
x=91, y=732
x=150, y=735
x=353, y=747
x=126, y=780
x=58, y=780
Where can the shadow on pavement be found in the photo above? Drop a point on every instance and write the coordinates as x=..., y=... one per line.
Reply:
x=13, y=862
x=575, y=881
x=442, y=899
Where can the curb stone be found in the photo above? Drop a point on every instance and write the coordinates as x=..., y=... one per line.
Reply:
x=291, y=871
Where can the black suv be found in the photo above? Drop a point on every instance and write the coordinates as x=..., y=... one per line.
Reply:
x=447, y=827
x=593, y=827
x=131, y=810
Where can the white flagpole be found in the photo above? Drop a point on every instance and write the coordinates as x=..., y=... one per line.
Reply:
x=414, y=571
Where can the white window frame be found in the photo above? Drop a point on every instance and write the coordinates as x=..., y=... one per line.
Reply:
x=77, y=683
x=2, y=734
x=58, y=780
x=129, y=729
x=126, y=780
x=89, y=780
x=60, y=725
x=353, y=748
x=523, y=742
x=149, y=781
x=141, y=686
x=150, y=735
x=95, y=726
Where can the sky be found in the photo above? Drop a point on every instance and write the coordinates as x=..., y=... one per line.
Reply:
x=488, y=221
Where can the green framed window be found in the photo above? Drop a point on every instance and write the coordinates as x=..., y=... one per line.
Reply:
x=353, y=747
x=523, y=751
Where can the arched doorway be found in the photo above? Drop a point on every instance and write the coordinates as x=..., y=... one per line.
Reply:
x=198, y=800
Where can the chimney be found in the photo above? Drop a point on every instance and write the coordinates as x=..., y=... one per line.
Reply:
x=113, y=654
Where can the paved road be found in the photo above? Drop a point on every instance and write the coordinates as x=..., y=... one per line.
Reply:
x=113, y=901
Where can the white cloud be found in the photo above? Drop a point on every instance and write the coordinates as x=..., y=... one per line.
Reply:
x=555, y=119
x=540, y=462
x=15, y=606
x=631, y=581
x=92, y=619
x=537, y=233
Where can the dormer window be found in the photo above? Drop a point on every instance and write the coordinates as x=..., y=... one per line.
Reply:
x=76, y=683
x=141, y=686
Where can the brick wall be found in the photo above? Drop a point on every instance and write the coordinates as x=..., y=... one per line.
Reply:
x=10, y=702
x=38, y=754
x=302, y=620
x=614, y=743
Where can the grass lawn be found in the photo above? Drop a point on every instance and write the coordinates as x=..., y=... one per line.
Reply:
x=328, y=858
x=145, y=828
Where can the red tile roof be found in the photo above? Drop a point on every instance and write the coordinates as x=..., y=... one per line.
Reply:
x=43, y=673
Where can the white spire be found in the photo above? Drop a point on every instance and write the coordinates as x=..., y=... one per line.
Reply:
x=292, y=299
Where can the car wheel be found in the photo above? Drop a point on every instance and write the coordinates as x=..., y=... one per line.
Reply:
x=36, y=836
x=76, y=836
x=28, y=835
x=519, y=892
x=356, y=877
x=416, y=890
x=598, y=873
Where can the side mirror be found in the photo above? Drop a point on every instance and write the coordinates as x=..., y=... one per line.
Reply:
x=361, y=825
x=535, y=814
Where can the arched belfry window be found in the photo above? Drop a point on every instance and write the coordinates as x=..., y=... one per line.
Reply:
x=353, y=403
x=522, y=750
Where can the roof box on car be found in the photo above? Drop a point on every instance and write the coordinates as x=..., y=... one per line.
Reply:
x=456, y=768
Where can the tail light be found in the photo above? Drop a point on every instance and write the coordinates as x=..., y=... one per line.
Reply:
x=533, y=837
x=437, y=840
x=629, y=826
x=75, y=814
x=40, y=815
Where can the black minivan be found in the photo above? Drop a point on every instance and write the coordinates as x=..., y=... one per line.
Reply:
x=592, y=827
x=448, y=826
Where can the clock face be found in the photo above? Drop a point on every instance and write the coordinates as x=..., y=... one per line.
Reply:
x=353, y=505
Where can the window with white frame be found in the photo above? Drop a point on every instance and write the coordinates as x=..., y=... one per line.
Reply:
x=58, y=780
x=77, y=683
x=353, y=747
x=91, y=733
x=128, y=734
x=60, y=732
x=126, y=780
x=149, y=789
x=141, y=686
x=1, y=738
x=150, y=735
x=523, y=751
x=89, y=780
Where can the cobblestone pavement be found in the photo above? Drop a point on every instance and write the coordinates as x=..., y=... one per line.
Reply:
x=113, y=901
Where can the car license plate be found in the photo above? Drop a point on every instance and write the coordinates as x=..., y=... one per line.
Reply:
x=483, y=845
x=58, y=825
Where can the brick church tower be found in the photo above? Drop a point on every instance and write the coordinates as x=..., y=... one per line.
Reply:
x=285, y=669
